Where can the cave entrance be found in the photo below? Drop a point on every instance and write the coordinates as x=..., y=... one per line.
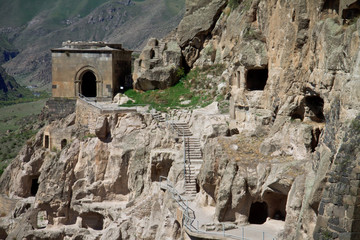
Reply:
x=46, y=144
x=315, y=107
x=3, y=234
x=34, y=186
x=352, y=11
x=315, y=136
x=276, y=203
x=258, y=213
x=63, y=143
x=333, y=5
x=88, y=84
x=256, y=79
x=160, y=168
x=92, y=220
x=152, y=54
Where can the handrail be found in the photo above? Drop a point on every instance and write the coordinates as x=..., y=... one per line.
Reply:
x=103, y=109
x=88, y=100
x=189, y=220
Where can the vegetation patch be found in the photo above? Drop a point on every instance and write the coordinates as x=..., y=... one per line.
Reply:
x=18, y=123
x=233, y=4
x=199, y=88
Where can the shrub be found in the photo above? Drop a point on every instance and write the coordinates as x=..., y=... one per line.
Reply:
x=233, y=4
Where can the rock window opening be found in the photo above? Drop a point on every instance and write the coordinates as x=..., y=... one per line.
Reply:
x=34, y=186
x=258, y=213
x=315, y=135
x=256, y=79
x=63, y=143
x=332, y=5
x=314, y=108
x=88, y=84
x=352, y=12
x=46, y=141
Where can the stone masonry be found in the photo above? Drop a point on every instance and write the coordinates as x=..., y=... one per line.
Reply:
x=94, y=69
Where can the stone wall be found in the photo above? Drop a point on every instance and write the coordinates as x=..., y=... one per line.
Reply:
x=57, y=108
x=68, y=68
x=86, y=115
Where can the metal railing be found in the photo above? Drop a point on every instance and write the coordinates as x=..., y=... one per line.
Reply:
x=189, y=217
x=93, y=101
x=89, y=101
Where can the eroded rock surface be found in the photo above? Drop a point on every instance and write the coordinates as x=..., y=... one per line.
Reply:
x=157, y=66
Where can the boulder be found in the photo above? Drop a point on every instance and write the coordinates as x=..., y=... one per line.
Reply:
x=157, y=67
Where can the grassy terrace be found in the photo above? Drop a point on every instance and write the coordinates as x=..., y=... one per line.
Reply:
x=18, y=123
x=194, y=90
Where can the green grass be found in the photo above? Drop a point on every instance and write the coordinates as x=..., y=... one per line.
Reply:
x=194, y=88
x=28, y=98
x=11, y=116
x=18, y=123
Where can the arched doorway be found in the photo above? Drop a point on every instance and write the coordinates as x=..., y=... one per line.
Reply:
x=88, y=84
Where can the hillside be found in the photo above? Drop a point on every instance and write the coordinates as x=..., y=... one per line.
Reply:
x=35, y=29
x=10, y=89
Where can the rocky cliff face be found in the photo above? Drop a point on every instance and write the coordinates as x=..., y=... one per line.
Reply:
x=294, y=77
x=288, y=151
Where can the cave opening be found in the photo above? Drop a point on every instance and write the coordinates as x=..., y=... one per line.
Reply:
x=315, y=136
x=315, y=108
x=298, y=113
x=160, y=168
x=92, y=220
x=46, y=141
x=258, y=213
x=152, y=54
x=256, y=79
x=34, y=186
x=3, y=234
x=88, y=84
x=333, y=5
x=276, y=203
x=63, y=143
x=352, y=11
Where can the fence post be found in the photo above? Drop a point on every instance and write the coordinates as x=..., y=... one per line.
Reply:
x=243, y=235
x=263, y=235
x=223, y=227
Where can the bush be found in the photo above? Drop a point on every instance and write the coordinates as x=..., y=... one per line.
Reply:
x=234, y=4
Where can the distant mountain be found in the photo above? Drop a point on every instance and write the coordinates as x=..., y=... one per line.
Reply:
x=10, y=89
x=7, y=51
x=32, y=28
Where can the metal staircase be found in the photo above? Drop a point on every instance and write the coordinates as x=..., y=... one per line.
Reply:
x=192, y=153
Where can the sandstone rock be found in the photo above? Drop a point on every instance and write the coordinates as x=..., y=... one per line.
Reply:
x=191, y=36
x=158, y=64
x=102, y=128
